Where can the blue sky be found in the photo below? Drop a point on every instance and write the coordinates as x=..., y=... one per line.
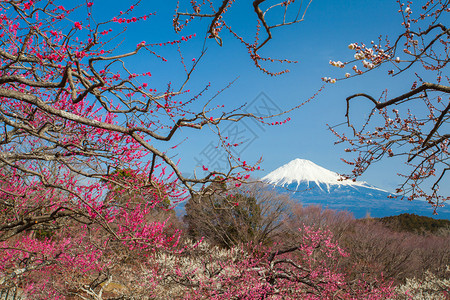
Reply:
x=324, y=35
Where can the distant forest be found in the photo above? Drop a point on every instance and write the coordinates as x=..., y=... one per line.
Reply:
x=417, y=224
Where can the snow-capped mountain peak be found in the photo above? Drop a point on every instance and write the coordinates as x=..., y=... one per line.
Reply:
x=305, y=171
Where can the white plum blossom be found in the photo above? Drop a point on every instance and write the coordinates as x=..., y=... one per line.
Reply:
x=203, y=260
x=359, y=55
x=352, y=46
x=369, y=52
x=368, y=64
x=397, y=59
x=430, y=287
x=408, y=10
x=347, y=75
x=338, y=64
x=329, y=79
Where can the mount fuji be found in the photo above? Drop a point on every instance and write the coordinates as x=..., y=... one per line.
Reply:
x=309, y=183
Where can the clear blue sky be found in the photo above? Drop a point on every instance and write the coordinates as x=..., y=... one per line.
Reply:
x=328, y=28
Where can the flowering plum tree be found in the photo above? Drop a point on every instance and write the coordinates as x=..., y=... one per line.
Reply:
x=431, y=287
x=417, y=128
x=74, y=115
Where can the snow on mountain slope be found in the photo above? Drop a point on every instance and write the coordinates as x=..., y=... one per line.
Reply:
x=311, y=184
x=305, y=171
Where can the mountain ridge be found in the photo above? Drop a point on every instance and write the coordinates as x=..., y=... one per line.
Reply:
x=300, y=177
x=305, y=171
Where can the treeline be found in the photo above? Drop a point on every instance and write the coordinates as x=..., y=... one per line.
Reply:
x=417, y=224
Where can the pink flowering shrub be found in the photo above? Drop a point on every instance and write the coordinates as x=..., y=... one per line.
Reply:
x=307, y=271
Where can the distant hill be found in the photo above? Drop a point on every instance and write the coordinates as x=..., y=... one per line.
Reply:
x=415, y=223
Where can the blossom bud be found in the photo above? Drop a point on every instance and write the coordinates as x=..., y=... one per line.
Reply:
x=359, y=55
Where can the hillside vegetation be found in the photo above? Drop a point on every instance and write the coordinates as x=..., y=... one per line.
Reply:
x=417, y=224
